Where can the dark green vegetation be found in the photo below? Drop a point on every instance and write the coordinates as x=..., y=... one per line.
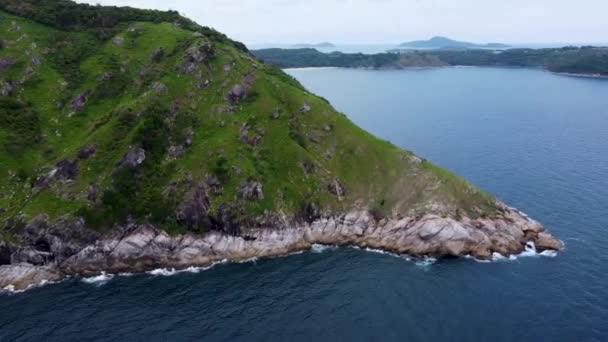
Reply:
x=115, y=113
x=584, y=60
x=446, y=43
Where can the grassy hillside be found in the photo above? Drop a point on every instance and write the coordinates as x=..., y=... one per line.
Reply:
x=149, y=118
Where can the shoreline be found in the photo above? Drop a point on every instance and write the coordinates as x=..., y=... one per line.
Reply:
x=433, y=67
x=103, y=277
x=143, y=248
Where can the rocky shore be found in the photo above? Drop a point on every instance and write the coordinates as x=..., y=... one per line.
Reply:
x=138, y=248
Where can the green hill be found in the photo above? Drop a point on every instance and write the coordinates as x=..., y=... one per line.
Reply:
x=134, y=139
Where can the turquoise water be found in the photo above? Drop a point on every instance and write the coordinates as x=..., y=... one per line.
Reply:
x=536, y=140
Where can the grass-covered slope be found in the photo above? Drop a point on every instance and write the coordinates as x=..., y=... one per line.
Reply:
x=159, y=120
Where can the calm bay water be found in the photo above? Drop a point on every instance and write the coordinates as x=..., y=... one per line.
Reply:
x=537, y=140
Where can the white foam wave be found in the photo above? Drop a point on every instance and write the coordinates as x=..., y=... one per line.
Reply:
x=99, y=280
x=426, y=262
x=529, y=251
x=167, y=272
x=319, y=248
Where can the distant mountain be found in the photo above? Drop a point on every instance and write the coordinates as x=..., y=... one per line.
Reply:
x=323, y=45
x=446, y=43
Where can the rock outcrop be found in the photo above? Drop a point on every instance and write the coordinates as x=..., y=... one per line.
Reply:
x=138, y=248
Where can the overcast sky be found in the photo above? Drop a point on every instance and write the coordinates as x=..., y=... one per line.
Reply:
x=394, y=21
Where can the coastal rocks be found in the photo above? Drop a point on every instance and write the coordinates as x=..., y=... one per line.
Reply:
x=133, y=158
x=138, y=248
x=157, y=55
x=22, y=276
x=547, y=242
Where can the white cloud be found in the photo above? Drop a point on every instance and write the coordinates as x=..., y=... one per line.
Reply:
x=391, y=21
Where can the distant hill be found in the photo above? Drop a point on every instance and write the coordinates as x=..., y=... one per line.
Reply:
x=446, y=43
x=323, y=45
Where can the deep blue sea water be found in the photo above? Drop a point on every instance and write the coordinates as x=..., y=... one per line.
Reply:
x=536, y=140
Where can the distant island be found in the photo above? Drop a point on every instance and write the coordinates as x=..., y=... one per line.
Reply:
x=323, y=45
x=447, y=43
x=583, y=61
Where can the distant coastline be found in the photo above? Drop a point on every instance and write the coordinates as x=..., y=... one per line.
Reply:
x=586, y=61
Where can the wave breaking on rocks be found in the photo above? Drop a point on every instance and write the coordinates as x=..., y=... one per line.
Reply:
x=144, y=248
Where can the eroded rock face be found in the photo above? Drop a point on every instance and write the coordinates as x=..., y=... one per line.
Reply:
x=336, y=187
x=22, y=276
x=194, y=212
x=198, y=54
x=136, y=248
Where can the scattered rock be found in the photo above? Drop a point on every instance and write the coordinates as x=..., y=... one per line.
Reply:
x=134, y=158
x=36, y=60
x=328, y=128
x=157, y=55
x=309, y=167
x=159, y=88
x=305, y=108
x=214, y=184
x=314, y=138
x=337, y=188
x=92, y=193
x=197, y=54
x=202, y=85
x=80, y=101
x=251, y=190
x=416, y=160
x=276, y=115
x=237, y=94
x=67, y=169
x=7, y=88
x=248, y=137
x=6, y=62
x=87, y=152
x=118, y=40
x=175, y=152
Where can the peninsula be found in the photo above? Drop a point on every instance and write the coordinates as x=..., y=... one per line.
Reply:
x=135, y=139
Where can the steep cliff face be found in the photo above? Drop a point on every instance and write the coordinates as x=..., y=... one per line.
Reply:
x=117, y=119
